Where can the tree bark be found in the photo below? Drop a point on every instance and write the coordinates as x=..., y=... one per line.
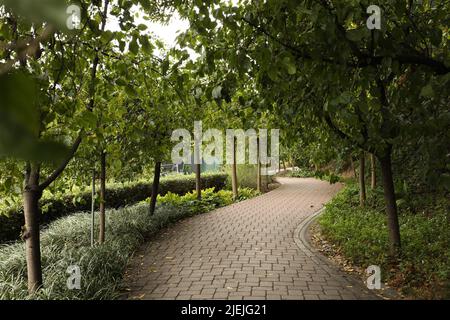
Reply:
x=362, y=181
x=198, y=181
x=266, y=181
x=258, y=168
x=31, y=198
x=391, y=205
x=101, y=237
x=155, y=187
x=373, y=172
x=234, y=179
x=353, y=167
x=93, y=210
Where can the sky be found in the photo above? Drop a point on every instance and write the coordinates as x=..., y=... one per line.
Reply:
x=167, y=32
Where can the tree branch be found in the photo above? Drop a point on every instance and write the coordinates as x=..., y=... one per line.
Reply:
x=363, y=60
x=63, y=165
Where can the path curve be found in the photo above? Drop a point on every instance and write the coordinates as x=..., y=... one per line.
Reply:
x=249, y=250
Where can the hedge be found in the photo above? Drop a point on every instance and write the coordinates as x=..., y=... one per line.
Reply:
x=117, y=195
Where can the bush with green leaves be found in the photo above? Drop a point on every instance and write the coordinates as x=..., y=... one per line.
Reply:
x=66, y=242
x=118, y=195
x=362, y=236
x=210, y=199
x=319, y=174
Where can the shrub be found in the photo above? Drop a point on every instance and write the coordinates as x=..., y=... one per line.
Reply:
x=362, y=236
x=319, y=174
x=118, y=195
x=210, y=199
x=66, y=242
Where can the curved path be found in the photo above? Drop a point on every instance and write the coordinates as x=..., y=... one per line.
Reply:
x=249, y=250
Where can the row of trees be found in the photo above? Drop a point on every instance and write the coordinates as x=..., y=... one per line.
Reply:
x=92, y=99
x=93, y=94
x=322, y=72
x=309, y=68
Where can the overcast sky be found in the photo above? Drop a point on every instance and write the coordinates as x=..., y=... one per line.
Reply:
x=166, y=33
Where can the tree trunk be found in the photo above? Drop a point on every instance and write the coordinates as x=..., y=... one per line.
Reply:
x=101, y=237
x=31, y=198
x=284, y=166
x=353, y=167
x=391, y=205
x=373, y=172
x=234, y=182
x=258, y=168
x=198, y=181
x=266, y=181
x=93, y=210
x=362, y=181
x=155, y=187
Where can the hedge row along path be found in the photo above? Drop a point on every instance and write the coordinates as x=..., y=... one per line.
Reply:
x=244, y=251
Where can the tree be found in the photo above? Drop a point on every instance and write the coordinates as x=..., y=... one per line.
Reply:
x=61, y=70
x=318, y=59
x=362, y=179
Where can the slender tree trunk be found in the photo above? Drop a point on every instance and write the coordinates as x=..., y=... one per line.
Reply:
x=31, y=198
x=155, y=187
x=284, y=166
x=391, y=205
x=101, y=237
x=198, y=181
x=31, y=195
x=234, y=179
x=362, y=180
x=258, y=168
x=93, y=210
x=266, y=180
x=373, y=172
x=353, y=167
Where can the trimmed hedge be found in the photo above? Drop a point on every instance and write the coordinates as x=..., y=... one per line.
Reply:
x=117, y=195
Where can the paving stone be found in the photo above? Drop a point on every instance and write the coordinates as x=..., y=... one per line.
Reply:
x=243, y=251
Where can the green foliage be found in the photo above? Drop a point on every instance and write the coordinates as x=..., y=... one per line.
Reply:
x=210, y=199
x=320, y=174
x=362, y=236
x=246, y=174
x=117, y=195
x=301, y=173
x=67, y=242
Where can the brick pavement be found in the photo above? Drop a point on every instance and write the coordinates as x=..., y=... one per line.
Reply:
x=244, y=251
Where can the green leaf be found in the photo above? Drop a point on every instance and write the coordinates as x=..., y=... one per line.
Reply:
x=217, y=92
x=290, y=66
x=134, y=47
x=427, y=91
x=355, y=35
